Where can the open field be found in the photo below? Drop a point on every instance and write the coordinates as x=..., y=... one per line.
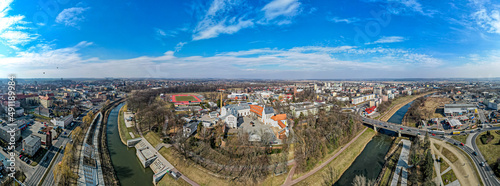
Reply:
x=490, y=151
x=343, y=161
x=185, y=98
x=449, y=155
x=461, y=138
x=190, y=169
x=431, y=105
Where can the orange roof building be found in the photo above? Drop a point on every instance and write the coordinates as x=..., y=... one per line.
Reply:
x=256, y=109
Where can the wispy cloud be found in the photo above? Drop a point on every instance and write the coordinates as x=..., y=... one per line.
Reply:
x=220, y=18
x=344, y=20
x=490, y=21
x=12, y=30
x=231, y=16
x=403, y=7
x=179, y=46
x=71, y=16
x=281, y=11
x=388, y=39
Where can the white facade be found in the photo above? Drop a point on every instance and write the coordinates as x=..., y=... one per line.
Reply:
x=62, y=122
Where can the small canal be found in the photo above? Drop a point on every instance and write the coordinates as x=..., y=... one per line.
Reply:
x=128, y=168
x=371, y=160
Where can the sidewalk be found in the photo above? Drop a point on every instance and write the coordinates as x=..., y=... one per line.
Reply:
x=402, y=165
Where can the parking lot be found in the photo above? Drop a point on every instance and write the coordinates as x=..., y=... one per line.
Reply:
x=33, y=130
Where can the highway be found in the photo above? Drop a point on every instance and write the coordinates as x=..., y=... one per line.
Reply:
x=486, y=173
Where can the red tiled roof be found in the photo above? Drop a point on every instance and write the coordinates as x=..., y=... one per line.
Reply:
x=281, y=124
x=256, y=109
x=370, y=110
x=278, y=117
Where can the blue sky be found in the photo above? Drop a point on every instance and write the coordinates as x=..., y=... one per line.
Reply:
x=278, y=39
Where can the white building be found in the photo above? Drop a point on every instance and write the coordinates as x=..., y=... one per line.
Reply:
x=31, y=144
x=360, y=99
x=62, y=121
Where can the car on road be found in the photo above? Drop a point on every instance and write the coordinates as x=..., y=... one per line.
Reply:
x=474, y=153
x=482, y=164
x=433, y=134
x=401, y=128
x=385, y=126
x=418, y=133
x=462, y=144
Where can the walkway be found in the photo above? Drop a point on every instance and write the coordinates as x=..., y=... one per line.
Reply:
x=462, y=167
x=402, y=165
x=289, y=178
x=91, y=175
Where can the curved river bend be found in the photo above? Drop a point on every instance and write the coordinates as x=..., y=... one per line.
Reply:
x=371, y=160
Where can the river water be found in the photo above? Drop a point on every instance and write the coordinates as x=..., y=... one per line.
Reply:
x=371, y=160
x=126, y=164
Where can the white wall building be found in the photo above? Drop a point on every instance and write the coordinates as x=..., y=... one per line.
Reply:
x=62, y=121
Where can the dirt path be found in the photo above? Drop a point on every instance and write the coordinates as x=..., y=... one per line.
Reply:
x=463, y=168
x=289, y=178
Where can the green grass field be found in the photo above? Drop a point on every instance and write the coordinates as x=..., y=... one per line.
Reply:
x=490, y=151
x=185, y=98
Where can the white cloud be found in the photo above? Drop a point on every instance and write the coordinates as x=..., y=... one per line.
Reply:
x=71, y=16
x=219, y=19
x=345, y=20
x=297, y=62
x=12, y=30
x=179, y=46
x=388, y=39
x=401, y=7
x=281, y=10
x=490, y=21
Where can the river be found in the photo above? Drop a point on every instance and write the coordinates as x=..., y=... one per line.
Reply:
x=128, y=168
x=371, y=160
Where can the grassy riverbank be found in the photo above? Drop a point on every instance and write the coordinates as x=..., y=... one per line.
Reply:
x=343, y=161
x=398, y=103
x=122, y=128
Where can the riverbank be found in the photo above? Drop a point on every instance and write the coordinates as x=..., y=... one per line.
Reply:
x=122, y=127
x=343, y=161
x=400, y=102
x=107, y=166
x=391, y=160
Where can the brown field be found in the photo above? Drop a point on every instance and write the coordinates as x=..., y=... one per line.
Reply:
x=433, y=107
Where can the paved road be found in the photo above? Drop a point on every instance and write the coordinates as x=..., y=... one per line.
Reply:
x=486, y=173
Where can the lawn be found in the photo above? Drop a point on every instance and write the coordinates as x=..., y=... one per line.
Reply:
x=342, y=162
x=153, y=138
x=185, y=98
x=449, y=155
x=191, y=170
x=444, y=165
x=490, y=151
x=168, y=180
x=124, y=131
x=461, y=138
x=276, y=180
x=449, y=177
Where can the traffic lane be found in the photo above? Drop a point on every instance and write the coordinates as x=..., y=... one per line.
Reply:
x=484, y=171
